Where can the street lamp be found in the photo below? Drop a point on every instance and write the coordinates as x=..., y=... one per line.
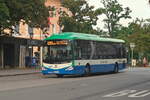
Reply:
x=127, y=55
x=132, y=46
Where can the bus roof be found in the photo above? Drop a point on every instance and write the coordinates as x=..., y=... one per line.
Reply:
x=82, y=36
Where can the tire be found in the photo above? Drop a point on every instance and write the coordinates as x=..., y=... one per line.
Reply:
x=59, y=76
x=116, y=68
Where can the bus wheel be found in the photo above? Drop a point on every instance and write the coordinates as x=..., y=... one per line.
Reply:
x=87, y=70
x=59, y=76
x=116, y=68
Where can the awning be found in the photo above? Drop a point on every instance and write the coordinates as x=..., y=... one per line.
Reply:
x=21, y=41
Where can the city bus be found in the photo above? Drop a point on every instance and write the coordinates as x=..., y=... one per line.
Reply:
x=71, y=53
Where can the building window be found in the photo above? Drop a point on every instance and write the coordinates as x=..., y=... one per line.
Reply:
x=46, y=31
x=48, y=28
x=53, y=28
x=30, y=31
x=52, y=11
x=15, y=30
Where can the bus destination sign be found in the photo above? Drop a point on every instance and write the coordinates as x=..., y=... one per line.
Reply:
x=63, y=42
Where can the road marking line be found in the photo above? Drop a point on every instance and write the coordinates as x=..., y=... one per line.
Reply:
x=121, y=93
x=129, y=93
x=140, y=94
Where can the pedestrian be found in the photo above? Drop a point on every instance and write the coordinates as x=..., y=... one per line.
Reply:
x=144, y=61
x=134, y=62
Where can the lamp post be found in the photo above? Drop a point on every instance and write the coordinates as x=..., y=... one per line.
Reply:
x=127, y=53
x=132, y=46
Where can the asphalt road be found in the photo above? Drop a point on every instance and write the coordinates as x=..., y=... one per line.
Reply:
x=133, y=84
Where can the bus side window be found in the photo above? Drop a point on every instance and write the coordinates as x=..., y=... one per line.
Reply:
x=78, y=53
x=78, y=50
x=124, y=51
x=85, y=49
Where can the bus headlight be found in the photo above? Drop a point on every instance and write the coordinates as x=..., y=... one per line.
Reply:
x=70, y=68
x=43, y=68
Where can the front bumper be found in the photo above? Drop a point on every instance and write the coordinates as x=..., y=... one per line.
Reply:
x=48, y=71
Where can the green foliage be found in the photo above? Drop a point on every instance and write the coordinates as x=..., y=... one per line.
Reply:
x=33, y=12
x=4, y=15
x=141, y=35
x=142, y=42
x=137, y=32
x=82, y=17
x=114, y=12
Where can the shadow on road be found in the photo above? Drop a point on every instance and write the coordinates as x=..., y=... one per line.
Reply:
x=81, y=76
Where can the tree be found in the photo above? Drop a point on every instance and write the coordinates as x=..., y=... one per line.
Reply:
x=100, y=32
x=82, y=17
x=114, y=12
x=137, y=32
x=32, y=12
x=141, y=35
x=4, y=15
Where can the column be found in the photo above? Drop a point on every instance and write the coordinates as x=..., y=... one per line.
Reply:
x=41, y=54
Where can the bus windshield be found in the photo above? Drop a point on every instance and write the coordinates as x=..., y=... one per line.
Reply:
x=57, y=53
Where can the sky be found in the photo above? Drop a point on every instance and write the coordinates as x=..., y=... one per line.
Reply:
x=140, y=9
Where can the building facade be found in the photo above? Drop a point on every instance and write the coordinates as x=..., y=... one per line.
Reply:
x=25, y=40
x=25, y=31
x=22, y=30
x=54, y=16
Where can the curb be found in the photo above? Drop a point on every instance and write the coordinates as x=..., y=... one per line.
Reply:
x=19, y=74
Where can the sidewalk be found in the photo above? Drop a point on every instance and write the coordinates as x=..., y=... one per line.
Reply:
x=14, y=72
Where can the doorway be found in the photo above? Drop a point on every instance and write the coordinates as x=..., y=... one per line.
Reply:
x=9, y=55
